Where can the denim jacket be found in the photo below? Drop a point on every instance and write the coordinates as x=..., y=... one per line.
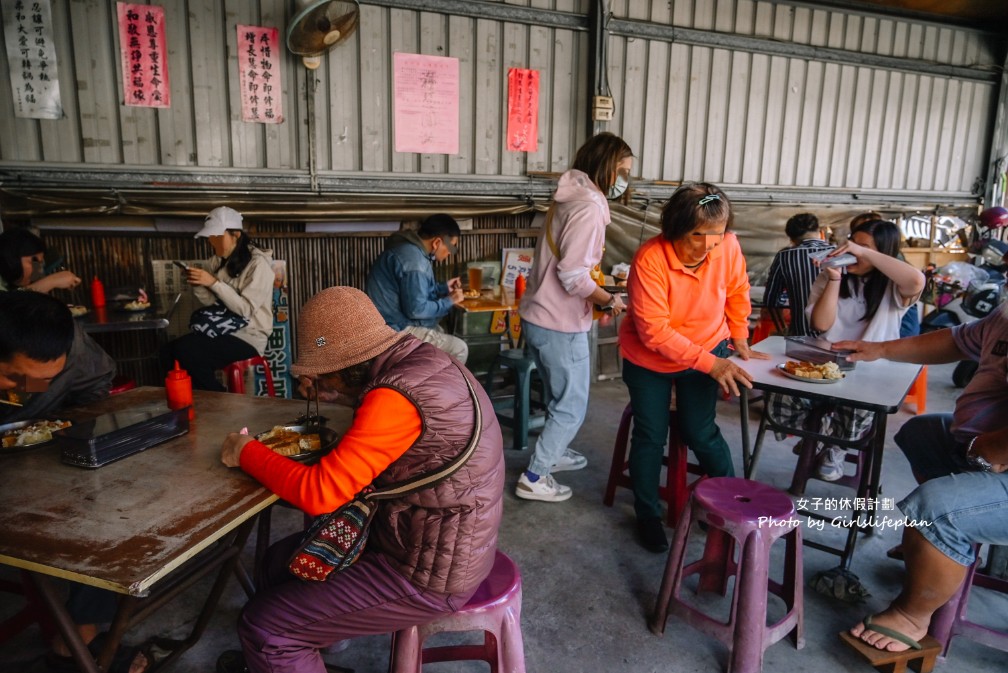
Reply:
x=402, y=285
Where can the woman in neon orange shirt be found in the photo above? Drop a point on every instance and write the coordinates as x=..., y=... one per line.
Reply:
x=689, y=298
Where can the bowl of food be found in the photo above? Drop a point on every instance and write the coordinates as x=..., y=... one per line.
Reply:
x=136, y=305
x=810, y=372
x=298, y=441
x=26, y=434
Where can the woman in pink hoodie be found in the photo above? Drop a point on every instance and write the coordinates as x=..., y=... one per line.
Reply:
x=556, y=308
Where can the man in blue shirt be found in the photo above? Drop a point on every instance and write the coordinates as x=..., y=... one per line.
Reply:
x=403, y=288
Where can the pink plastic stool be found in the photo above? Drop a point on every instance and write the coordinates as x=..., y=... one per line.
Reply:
x=674, y=491
x=950, y=619
x=495, y=609
x=754, y=516
x=234, y=373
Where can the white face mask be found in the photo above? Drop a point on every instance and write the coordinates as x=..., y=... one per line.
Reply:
x=617, y=189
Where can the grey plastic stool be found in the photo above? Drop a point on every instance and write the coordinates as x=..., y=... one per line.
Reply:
x=514, y=411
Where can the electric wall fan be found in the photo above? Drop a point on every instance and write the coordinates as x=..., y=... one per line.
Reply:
x=319, y=26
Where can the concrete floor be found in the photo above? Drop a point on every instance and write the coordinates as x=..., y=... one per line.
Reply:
x=588, y=586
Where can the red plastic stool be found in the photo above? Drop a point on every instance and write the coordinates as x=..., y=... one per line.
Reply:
x=918, y=393
x=674, y=491
x=33, y=611
x=234, y=374
x=121, y=384
x=495, y=609
x=754, y=516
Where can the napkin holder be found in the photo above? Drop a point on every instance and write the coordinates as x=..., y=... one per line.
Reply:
x=113, y=436
x=817, y=351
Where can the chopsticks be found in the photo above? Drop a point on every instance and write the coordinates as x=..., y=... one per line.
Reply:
x=13, y=404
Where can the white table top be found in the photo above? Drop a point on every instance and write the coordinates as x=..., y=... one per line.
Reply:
x=877, y=386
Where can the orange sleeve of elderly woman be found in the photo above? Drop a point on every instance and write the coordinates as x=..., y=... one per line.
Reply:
x=676, y=316
x=384, y=426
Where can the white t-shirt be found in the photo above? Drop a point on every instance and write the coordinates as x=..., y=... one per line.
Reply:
x=883, y=326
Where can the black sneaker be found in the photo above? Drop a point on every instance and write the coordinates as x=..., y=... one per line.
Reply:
x=651, y=535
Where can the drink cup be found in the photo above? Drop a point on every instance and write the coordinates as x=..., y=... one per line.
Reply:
x=475, y=277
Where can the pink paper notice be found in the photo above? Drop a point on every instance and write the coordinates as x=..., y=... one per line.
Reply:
x=426, y=104
x=259, y=74
x=523, y=110
x=144, y=52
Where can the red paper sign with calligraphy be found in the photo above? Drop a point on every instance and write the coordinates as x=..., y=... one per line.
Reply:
x=144, y=52
x=259, y=74
x=523, y=110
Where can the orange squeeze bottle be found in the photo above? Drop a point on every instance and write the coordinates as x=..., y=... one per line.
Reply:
x=178, y=389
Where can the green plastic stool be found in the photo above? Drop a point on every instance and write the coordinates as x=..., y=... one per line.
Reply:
x=514, y=411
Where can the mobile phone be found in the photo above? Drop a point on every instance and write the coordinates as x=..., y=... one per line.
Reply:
x=180, y=265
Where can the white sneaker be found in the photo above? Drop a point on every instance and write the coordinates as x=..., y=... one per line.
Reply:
x=545, y=489
x=570, y=460
x=831, y=465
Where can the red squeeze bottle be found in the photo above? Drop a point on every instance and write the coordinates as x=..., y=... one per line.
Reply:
x=178, y=389
x=97, y=293
x=519, y=286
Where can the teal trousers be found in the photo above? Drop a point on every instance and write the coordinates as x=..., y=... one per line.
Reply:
x=696, y=402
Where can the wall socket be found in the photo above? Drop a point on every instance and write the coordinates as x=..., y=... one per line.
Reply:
x=602, y=108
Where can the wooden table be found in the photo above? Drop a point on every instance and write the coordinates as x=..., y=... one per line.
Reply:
x=878, y=387
x=486, y=323
x=146, y=527
x=105, y=320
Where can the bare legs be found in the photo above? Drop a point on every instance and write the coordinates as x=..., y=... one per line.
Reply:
x=931, y=580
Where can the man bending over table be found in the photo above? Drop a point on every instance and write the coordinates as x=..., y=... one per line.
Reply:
x=47, y=362
x=961, y=459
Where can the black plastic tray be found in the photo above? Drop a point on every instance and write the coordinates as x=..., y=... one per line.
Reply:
x=114, y=436
x=817, y=351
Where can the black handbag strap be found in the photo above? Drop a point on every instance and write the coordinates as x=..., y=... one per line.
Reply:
x=431, y=478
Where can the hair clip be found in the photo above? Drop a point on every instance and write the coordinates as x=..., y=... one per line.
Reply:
x=710, y=197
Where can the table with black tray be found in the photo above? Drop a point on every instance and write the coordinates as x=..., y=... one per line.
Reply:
x=147, y=526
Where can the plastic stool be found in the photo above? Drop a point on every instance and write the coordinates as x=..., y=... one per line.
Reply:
x=918, y=393
x=495, y=609
x=950, y=619
x=754, y=516
x=515, y=411
x=234, y=374
x=121, y=384
x=674, y=491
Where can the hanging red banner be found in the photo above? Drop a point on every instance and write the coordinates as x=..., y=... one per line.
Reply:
x=259, y=74
x=523, y=110
x=144, y=52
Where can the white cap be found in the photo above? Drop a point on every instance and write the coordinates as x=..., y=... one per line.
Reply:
x=220, y=220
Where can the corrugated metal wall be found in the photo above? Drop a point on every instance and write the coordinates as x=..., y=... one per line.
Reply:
x=726, y=113
x=353, y=87
x=742, y=117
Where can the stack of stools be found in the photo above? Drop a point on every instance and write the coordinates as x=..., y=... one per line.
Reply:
x=753, y=516
x=515, y=411
x=495, y=609
x=674, y=491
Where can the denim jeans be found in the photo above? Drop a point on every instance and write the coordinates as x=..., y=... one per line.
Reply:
x=696, y=403
x=961, y=510
x=563, y=364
